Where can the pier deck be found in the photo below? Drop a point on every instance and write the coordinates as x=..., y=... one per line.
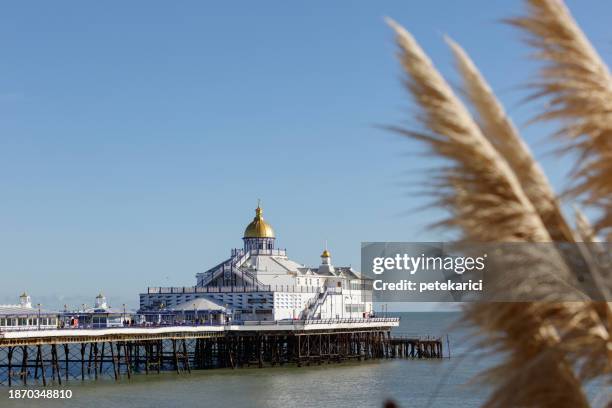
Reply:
x=52, y=356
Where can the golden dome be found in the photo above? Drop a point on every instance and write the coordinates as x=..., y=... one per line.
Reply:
x=258, y=228
x=325, y=254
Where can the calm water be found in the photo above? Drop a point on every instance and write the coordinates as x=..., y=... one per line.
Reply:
x=412, y=383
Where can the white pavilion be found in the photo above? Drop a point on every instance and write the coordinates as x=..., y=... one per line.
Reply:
x=100, y=315
x=260, y=282
x=24, y=316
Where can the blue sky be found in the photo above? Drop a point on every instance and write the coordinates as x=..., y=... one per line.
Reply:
x=136, y=137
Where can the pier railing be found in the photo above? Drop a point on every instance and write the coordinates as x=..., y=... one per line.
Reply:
x=422, y=337
x=287, y=322
x=320, y=321
x=234, y=289
x=163, y=290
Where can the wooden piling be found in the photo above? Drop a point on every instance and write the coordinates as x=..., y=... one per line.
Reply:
x=10, y=365
x=24, y=365
x=175, y=356
x=66, y=355
x=83, y=361
x=114, y=359
x=55, y=364
x=126, y=358
x=186, y=365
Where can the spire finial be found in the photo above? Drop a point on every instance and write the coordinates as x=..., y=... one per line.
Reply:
x=325, y=253
x=258, y=210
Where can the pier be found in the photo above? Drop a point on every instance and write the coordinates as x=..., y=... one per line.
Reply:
x=45, y=357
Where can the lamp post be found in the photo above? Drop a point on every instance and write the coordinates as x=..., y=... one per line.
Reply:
x=38, y=316
x=62, y=321
x=194, y=314
x=124, y=321
x=84, y=316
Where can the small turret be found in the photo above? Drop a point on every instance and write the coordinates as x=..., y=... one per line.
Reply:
x=25, y=300
x=101, y=302
x=326, y=266
x=258, y=235
x=325, y=257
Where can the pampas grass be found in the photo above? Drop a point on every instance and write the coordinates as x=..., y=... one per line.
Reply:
x=502, y=133
x=478, y=186
x=584, y=229
x=552, y=349
x=578, y=89
x=495, y=191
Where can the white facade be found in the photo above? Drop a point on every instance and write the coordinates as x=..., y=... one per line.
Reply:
x=24, y=316
x=259, y=282
x=99, y=316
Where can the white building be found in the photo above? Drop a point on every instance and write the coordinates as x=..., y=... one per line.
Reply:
x=24, y=316
x=201, y=311
x=260, y=282
x=101, y=315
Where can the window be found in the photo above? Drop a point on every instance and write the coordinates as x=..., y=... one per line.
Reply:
x=2, y=321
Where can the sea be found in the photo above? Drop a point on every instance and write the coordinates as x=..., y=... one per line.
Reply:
x=445, y=383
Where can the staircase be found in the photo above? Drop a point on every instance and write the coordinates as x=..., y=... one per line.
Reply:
x=232, y=267
x=315, y=304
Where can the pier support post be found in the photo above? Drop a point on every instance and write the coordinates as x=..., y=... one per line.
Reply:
x=127, y=358
x=100, y=368
x=66, y=355
x=160, y=350
x=115, y=371
x=55, y=363
x=95, y=356
x=175, y=356
x=24, y=365
x=147, y=346
x=10, y=366
x=83, y=361
x=37, y=362
x=89, y=359
x=186, y=358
